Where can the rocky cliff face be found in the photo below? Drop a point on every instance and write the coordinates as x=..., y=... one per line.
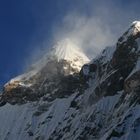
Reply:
x=58, y=101
x=50, y=77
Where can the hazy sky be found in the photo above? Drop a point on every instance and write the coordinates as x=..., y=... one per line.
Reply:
x=28, y=27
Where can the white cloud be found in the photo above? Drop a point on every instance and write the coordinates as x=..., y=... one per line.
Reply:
x=98, y=27
x=90, y=33
x=92, y=29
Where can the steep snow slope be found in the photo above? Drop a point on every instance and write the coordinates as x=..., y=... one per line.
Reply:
x=101, y=102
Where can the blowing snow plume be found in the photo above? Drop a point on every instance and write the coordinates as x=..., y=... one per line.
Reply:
x=90, y=34
x=91, y=25
x=94, y=25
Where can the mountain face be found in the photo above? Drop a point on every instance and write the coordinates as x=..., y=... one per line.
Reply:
x=65, y=96
x=50, y=77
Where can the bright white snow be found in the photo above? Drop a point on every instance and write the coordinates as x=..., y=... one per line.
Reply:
x=64, y=50
x=68, y=50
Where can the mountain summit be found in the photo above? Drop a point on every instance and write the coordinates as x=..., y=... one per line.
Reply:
x=67, y=50
x=64, y=59
x=132, y=32
x=56, y=100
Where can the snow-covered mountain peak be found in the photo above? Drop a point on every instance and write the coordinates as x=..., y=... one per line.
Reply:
x=65, y=59
x=68, y=50
x=64, y=50
x=133, y=32
x=135, y=28
x=101, y=102
x=136, y=24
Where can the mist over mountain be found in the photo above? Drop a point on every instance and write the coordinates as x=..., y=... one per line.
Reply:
x=67, y=96
x=29, y=28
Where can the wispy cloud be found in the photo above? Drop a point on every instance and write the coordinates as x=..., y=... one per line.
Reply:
x=98, y=27
x=90, y=33
x=92, y=25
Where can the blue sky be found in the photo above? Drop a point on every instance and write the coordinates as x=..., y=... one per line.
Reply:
x=26, y=24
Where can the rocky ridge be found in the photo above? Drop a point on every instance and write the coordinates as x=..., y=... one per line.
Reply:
x=101, y=102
